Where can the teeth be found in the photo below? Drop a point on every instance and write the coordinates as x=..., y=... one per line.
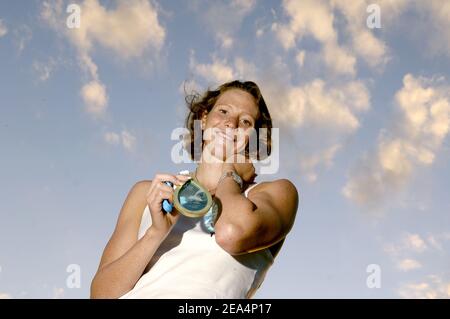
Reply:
x=226, y=136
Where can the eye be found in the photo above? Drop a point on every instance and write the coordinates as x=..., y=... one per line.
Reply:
x=247, y=122
x=222, y=111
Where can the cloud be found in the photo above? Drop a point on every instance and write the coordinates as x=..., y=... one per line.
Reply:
x=128, y=141
x=216, y=72
x=220, y=71
x=436, y=24
x=22, y=35
x=340, y=28
x=363, y=42
x=3, y=28
x=432, y=287
x=129, y=30
x=422, y=121
x=409, y=244
x=314, y=103
x=300, y=58
x=125, y=139
x=415, y=243
x=112, y=138
x=315, y=19
x=224, y=19
x=4, y=295
x=95, y=98
x=405, y=251
x=44, y=69
x=322, y=105
x=310, y=162
x=408, y=264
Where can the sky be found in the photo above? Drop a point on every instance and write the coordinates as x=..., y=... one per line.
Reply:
x=359, y=91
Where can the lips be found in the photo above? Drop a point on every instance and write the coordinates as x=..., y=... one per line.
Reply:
x=225, y=136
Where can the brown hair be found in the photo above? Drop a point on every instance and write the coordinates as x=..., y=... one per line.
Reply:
x=199, y=104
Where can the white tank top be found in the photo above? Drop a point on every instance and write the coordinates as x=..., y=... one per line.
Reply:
x=190, y=264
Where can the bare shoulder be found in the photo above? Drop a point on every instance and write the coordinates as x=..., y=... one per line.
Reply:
x=135, y=201
x=139, y=190
x=126, y=230
x=281, y=194
x=141, y=187
x=276, y=188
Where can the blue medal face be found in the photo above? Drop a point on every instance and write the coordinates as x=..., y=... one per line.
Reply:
x=192, y=200
x=192, y=197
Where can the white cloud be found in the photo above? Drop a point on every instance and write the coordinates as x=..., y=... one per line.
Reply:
x=112, y=138
x=22, y=35
x=244, y=70
x=220, y=71
x=300, y=58
x=315, y=18
x=433, y=287
x=409, y=244
x=436, y=26
x=224, y=19
x=310, y=162
x=314, y=103
x=408, y=264
x=3, y=28
x=362, y=39
x=434, y=242
x=438, y=241
x=371, y=49
x=129, y=30
x=128, y=140
x=44, y=69
x=125, y=139
x=95, y=98
x=259, y=32
x=415, y=243
x=217, y=72
x=341, y=39
x=318, y=104
x=421, y=124
x=339, y=58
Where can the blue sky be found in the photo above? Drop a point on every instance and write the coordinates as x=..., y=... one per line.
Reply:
x=363, y=115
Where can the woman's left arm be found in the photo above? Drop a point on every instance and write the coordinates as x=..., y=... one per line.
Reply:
x=259, y=221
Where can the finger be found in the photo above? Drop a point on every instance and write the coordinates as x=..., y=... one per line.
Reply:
x=160, y=177
x=183, y=178
x=162, y=194
x=154, y=190
x=164, y=187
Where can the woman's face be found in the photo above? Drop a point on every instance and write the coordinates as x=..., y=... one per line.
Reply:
x=227, y=124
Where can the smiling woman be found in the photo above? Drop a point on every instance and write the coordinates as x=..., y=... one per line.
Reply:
x=154, y=253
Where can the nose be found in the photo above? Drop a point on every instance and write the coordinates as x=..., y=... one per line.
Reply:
x=231, y=123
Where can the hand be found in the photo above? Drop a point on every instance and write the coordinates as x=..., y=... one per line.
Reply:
x=222, y=144
x=163, y=222
x=246, y=170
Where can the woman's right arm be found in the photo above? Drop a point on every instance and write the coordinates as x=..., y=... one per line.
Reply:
x=125, y=257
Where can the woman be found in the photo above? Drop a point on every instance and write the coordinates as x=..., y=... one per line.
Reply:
x=153, y=254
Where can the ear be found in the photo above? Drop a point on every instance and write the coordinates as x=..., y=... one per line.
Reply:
x=205, y=114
